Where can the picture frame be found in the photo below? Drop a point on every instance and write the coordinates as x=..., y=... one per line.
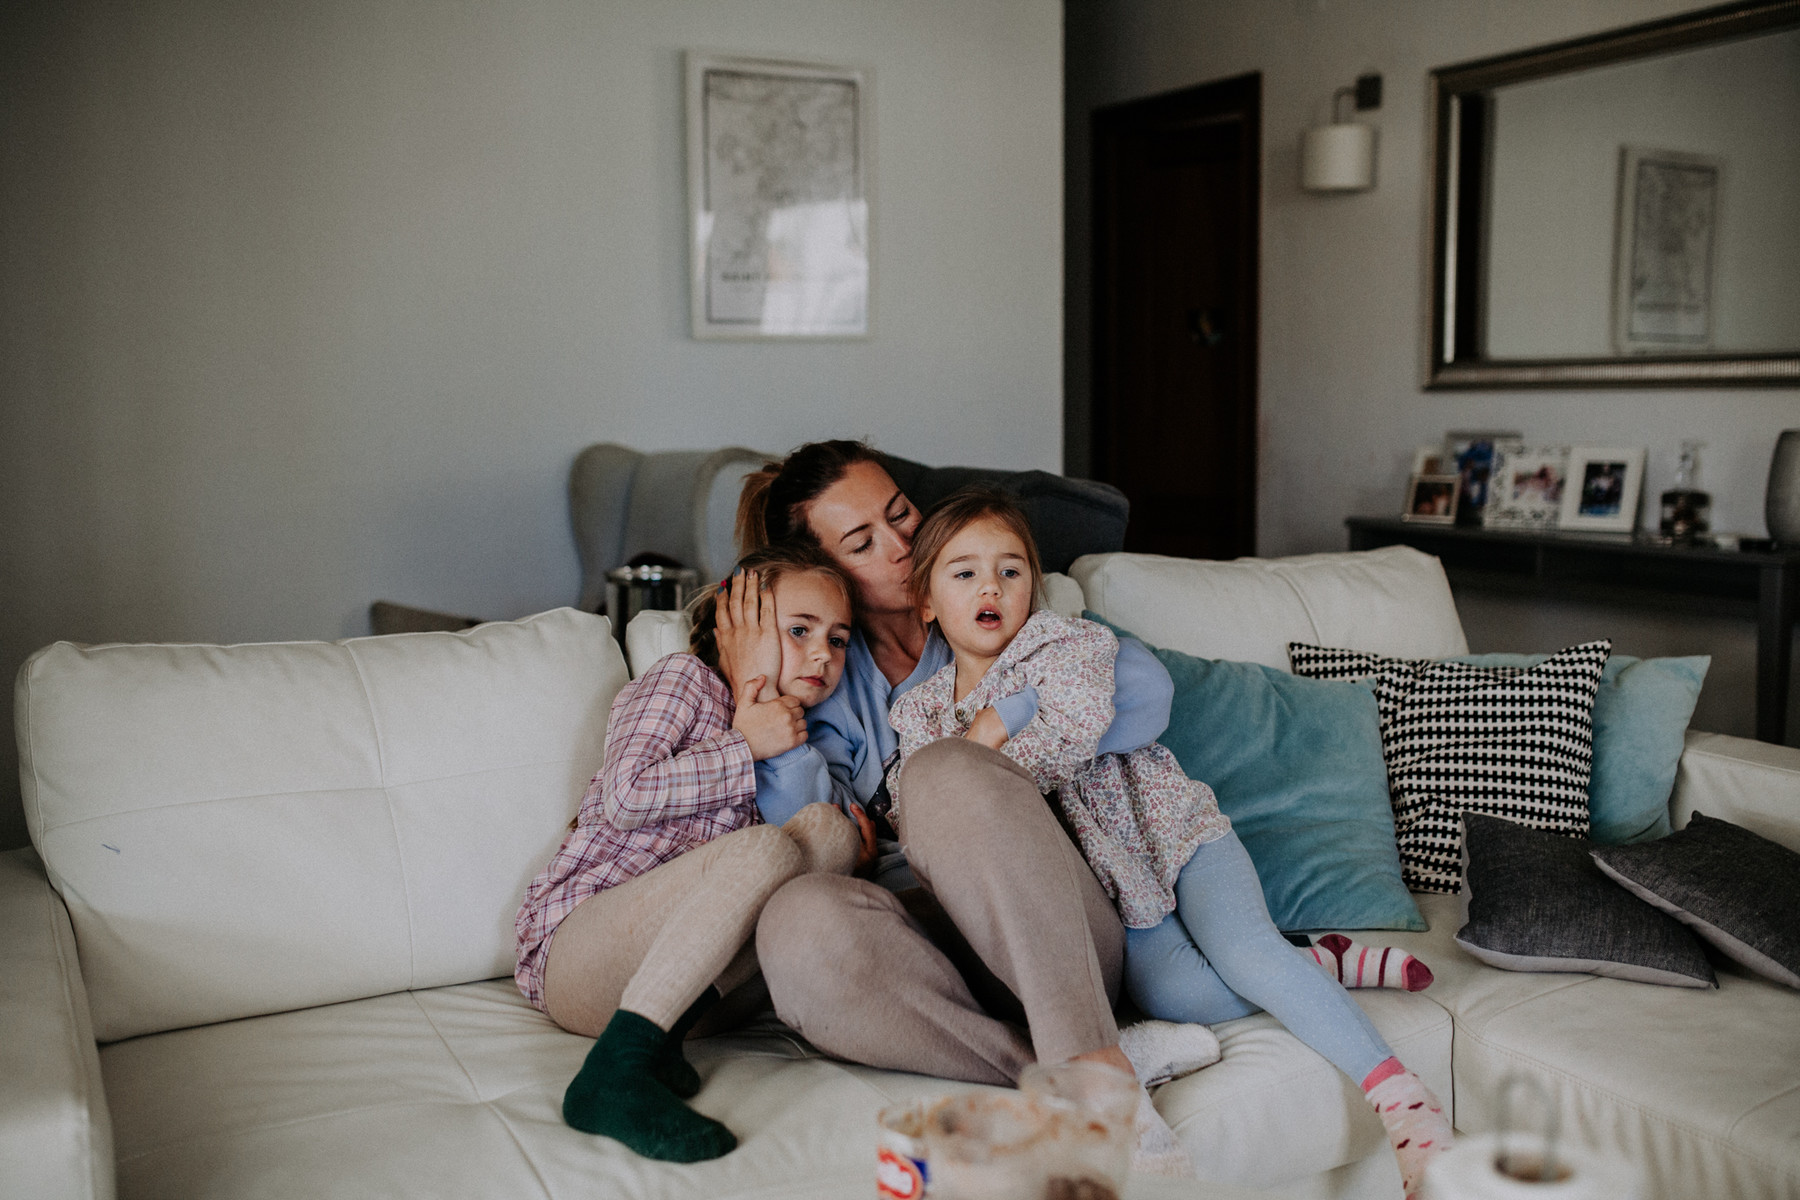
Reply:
x=1470, y=453
x=1602, y=488
x=1664, y=260
x=1526, y=487
x=1432, y=499
x=779, y=158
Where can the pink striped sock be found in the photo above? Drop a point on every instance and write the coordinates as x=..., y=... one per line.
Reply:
x=1360, y=966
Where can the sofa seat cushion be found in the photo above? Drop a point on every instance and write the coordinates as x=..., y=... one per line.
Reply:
x=1272, y=1113
x=1700, y=1088
x=1394, y=601
x=457, y=1092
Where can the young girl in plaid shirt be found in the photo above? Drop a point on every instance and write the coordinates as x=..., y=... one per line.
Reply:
x=641, y=919
x=1200, y=945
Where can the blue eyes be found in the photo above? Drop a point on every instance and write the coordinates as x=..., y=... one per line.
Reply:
x=839, y=643
x=1008, y=572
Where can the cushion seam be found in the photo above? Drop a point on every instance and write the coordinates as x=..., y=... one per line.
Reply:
x=174, y=804
x=412, y=948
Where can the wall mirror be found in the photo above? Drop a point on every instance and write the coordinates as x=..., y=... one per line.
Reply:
x=1621, y=209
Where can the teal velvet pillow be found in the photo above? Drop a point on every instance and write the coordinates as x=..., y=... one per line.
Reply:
x=1641, y=715
x=1297, y=766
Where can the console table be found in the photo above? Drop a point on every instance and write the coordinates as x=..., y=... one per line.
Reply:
x=1763, y=584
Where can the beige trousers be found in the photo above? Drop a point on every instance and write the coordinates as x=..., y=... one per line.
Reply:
x=652, y=944
x=860, y=976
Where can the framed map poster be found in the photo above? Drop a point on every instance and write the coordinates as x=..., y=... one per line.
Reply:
x=778, y=160
x=1668, y=219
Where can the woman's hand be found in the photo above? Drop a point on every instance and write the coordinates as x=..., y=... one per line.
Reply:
x=749, y=637
x=770, y=726
x=866, y=827
x=988, y=729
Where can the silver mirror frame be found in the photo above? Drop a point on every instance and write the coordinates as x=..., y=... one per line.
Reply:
x=1454, y=355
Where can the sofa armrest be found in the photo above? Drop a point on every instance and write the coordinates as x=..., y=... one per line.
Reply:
x=55, y=1130
x=1753, y=784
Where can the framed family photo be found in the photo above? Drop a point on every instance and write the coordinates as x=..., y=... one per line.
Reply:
x=1602, y=488
x=1432, y=499
x=1526, y=487
x=778, y=157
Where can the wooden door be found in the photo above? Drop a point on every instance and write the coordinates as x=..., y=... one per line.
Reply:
x=1177, y=187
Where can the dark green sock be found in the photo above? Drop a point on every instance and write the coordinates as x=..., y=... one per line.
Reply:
x=616, y=1094
x=671, y=1067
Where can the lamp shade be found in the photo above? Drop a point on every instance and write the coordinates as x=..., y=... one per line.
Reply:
x=1338, y=158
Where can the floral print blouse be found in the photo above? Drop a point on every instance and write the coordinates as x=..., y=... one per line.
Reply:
x=1137, y=817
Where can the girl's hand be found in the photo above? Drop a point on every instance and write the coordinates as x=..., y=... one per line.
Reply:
x=770, y=726
x=866, y=827
x=988, y=729
x=749, y=636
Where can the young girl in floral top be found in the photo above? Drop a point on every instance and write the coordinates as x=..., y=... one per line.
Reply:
x=642, y=917
x=1200, y=945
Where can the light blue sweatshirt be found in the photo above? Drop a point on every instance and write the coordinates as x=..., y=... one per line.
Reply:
x=849, y=741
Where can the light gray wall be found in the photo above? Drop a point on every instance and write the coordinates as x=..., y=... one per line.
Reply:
x=1552, y=230
x=1344, y=284
x=303, y=306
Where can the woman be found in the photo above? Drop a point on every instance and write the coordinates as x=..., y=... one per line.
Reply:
x=849, y=963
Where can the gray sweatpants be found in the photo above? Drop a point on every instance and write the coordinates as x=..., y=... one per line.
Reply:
x=859, y=976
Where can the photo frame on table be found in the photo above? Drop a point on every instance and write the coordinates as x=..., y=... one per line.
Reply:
x=1432, y=499
x=779, y=157
x=1470, y=453
x=1667, y=228
x=1602, y=488
x=1525, y=487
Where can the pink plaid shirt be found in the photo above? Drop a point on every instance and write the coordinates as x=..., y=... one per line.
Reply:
x=676, y=775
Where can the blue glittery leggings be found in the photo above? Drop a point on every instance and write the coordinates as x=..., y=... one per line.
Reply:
x=1219, y=956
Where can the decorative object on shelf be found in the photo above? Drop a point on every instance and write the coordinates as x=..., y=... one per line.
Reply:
x=1603, y=487
x=1686, y=510
x=778, y=154
x=1525, y=487
x=1668, y=208
x=1471, y=454
x=1781, y=503
x=1431, y=499
x=1340, y=157
x=632, y=589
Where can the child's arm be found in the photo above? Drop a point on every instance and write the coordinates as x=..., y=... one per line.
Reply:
x=1142, y=696
x=1073, y=677
x=645, y=779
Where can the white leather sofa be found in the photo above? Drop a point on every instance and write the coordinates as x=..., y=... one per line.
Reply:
x=262, y=945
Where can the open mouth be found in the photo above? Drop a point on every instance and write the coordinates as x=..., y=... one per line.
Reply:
x=988, y=618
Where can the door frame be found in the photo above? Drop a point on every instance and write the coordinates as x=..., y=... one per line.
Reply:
x=1236, y=99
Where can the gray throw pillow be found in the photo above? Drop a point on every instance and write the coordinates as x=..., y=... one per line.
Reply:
x=1535, y=901
x=1736, y=889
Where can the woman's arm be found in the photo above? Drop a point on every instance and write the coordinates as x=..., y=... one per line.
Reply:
x=646, y=779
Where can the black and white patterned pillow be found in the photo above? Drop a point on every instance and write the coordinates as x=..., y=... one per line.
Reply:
x=1508, y=742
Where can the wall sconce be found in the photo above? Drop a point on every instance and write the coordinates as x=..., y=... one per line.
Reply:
x=1340, y=157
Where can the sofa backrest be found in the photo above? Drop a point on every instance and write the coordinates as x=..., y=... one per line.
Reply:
x=1392, y=601
x=249, y=829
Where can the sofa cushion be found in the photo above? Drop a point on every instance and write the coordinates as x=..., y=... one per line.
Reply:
x=1746, y=782
x=1641, y=713
x=1533, y=901
x=1739, y=891
x=457, y=1091
x=1393, y=601
x=1694, y=1086
x=249, y=829
x=1296, y=764
x=1511, y=743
